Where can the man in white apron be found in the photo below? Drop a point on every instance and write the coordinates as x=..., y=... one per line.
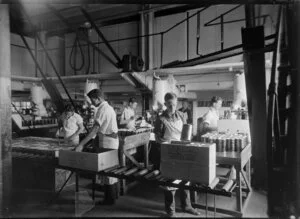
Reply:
x=72, y=126
x=105, y=126
x=128, y=116
x=168, y=127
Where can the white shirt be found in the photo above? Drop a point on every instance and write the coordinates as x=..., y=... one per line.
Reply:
x=127, y=114
x=211, y=118
x=106, y=118
x=71, y=124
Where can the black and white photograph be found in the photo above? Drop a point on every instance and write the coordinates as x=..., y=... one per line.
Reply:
x=150, y=108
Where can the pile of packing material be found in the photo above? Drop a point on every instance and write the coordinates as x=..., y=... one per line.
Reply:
x=193, y=161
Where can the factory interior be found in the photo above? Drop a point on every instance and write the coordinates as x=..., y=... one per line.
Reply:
x=107, y=108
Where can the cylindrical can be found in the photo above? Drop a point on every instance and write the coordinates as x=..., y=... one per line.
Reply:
x=186, y=134
x=218, y=145
x=239, y=144
x=222, y=144
x=228, y=144
x=231, y=148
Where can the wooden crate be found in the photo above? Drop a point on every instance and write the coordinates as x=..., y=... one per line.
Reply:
x=193, y=162
x=89, y=161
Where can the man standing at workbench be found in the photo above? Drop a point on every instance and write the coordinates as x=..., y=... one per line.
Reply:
x=168, y=127
x=70, y=125
x=105, y=126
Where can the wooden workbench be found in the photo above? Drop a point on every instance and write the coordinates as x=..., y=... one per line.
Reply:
x=241, y=161
x=131, y=140
x=34, y=163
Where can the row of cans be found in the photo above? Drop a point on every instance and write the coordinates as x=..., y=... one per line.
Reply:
x=39, y=122
x=226, y=142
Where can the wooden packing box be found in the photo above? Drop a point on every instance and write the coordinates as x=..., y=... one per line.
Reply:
x=194, y=162
x=89, y=161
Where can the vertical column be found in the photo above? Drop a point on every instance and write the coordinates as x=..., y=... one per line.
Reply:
x=142, y=39
x=150, y=39
x=5, y=112
x=61, y=55
x=254, y=64
x=41, y=55
x=293, y=153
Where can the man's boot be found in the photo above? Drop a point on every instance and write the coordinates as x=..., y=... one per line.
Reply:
x=109, y=195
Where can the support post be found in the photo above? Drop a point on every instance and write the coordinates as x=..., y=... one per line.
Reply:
x=254, y=65
x=293, y=153
x=5, y=113
x=62, y=55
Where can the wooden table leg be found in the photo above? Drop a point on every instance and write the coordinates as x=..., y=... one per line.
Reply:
x=93, y=186
x=248, y=171
x=239, y=190
x=122, y=158
x=146, y=155
x=76, y=182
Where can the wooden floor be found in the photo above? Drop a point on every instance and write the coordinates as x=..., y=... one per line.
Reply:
x=141, y=201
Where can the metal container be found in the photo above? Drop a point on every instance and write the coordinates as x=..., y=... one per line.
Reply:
x=186, y=134
x=222, y=144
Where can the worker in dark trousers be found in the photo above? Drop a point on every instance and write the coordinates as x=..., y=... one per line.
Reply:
x=106, y=129
x=168, y=127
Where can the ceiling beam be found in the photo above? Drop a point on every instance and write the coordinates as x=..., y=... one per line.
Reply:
x=211, y=2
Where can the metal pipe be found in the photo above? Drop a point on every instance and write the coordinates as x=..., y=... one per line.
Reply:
x=220, y=55
x=161, y=48
x=100, y=34
x=205, y=2
x=49, y=58
x=198, y=33
x=180, y=22
x=238, y=20
x=36, y=54
x=222, y=15
x=187, y=36
x=85, y=39
x=250, y=15
x=270, y=118
x=222, y=33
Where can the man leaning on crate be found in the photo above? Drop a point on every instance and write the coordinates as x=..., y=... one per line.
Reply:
x=168, y=127
x=106, y=129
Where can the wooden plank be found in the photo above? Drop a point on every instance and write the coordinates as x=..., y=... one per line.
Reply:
x=134, y=141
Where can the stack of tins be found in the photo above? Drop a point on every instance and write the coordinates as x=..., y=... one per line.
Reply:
x=227, y=142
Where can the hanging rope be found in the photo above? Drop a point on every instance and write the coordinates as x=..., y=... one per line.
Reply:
x=74, y=53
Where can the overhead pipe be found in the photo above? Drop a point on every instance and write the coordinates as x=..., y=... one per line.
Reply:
x=215, y=56
x=100, y=34
x=49, y=59
x=85, y=39
x=271, y=2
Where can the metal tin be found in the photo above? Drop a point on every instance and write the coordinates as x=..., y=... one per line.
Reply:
x=221, y=144
x=227, y=144
x=231, y=148
x=186, y=134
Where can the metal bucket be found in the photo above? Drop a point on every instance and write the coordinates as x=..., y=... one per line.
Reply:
x=186, y=134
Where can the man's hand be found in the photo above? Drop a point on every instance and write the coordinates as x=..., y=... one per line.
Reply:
x=79, y=148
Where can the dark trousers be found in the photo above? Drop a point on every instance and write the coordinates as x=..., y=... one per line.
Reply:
x=170, y=200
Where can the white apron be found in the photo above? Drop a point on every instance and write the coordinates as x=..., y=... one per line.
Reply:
x=172, y=133
x=111, y=143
